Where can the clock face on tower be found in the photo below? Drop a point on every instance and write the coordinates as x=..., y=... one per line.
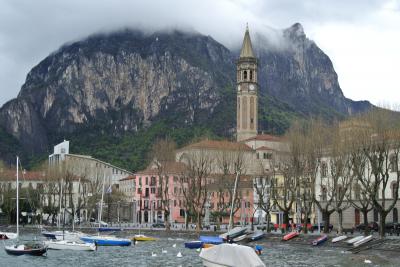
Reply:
x=251, y=87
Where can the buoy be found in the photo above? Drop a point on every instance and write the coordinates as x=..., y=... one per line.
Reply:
x=367, y=261
x=179, y=255
x=174, y=245
x=163, y=251
x=153, y=254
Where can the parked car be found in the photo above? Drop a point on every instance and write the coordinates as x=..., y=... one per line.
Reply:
x=392, y=226
x=322, y=226
x=158, y=225
x=372, y=226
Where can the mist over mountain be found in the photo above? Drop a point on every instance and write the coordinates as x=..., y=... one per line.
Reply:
x=119, y=91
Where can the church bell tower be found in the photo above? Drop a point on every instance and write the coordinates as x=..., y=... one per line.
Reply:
x=247, y=91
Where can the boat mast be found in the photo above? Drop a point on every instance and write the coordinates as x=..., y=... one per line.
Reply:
x=59, y=216
x=17, y=199
x=233, y=201
x=102, y=198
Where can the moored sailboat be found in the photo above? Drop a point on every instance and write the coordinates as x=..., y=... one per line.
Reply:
x=70, y=245
x=30, y=248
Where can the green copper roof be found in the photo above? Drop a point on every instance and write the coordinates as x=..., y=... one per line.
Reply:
x=247, y=49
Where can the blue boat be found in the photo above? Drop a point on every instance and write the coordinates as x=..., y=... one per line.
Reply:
x=320, y=240
x=106, y=240
x=109, y=229
x=194, y=244
x=257, y=236
x=215, y=240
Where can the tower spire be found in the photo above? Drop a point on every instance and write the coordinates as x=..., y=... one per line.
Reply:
x=247, y=48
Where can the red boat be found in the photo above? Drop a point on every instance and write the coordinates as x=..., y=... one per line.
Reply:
x=290, y=236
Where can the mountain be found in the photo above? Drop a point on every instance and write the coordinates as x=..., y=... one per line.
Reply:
x=113, y=94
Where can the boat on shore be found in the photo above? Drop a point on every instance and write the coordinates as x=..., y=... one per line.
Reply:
x=233, y=255
x=109, y=229
x=319, y=240
x=362, y=241
x=106, y=240
x=256, y=236
x=235, y=232
x=290, y=236
x=194, y=244
x=239, y=238
x=70, y=245
x=339, y=238
x=354, y=239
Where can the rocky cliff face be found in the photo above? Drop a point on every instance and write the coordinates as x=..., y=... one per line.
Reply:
x=124, y=81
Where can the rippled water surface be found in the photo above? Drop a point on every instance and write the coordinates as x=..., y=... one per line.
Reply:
x=274, y=254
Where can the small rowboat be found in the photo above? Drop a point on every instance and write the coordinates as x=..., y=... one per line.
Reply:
x=215, y=240
x=290, y=236
x=240, y=238
x=339, y=238
x=143, y=238
x=362, y=241
x=257, y=236
x=235, y=232
x=320, y=240
x=353, y=240
x=194, y=244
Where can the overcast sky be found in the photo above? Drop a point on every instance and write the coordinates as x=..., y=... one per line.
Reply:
x=362, y=37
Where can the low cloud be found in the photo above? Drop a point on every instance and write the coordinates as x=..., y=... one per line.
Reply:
x=31, y=30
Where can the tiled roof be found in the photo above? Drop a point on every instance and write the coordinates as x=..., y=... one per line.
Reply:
x=9, y=175
x=264, y=148
x=266, y=137
x=171, y=167
x=219, y=145
x=130, y=177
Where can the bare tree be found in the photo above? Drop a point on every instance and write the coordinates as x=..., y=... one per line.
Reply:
x=194, y=181
x=162, y=154
x=382, y=152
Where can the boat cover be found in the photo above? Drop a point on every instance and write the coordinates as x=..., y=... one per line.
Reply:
x=231, y=255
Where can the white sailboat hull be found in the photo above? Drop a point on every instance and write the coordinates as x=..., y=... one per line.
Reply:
x=355, y=239
x=68, y=245
x=339, y=238
x=363, y=241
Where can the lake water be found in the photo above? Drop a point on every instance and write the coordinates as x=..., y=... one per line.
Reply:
x=274, y=254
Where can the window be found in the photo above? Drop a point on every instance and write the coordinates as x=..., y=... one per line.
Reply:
x=245, y=75
x=139, y=190
x=251, y=75
x=323, y=193
x=153, y=181
x=153, y=190
x=258, y=155
x=147, y=192
x=174, y=202
x=147, y=180
x=264, y=155
x=394, y=189
x=324, y=169
x=393, y=163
